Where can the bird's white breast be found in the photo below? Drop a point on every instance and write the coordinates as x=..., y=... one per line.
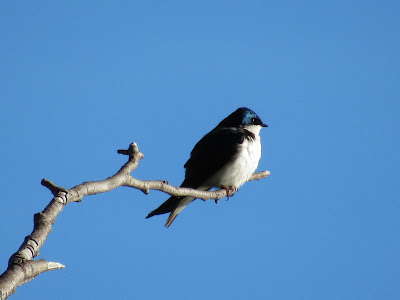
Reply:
x=242, y=167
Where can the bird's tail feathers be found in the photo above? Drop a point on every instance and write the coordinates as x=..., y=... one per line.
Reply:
x=174, y=213
x=170, y=219
x=174, y=205
x=167, y=207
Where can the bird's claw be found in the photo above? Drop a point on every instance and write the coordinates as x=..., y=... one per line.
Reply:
x=230, y=191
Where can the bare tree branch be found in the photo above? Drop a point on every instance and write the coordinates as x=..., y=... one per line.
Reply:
x=22, y=268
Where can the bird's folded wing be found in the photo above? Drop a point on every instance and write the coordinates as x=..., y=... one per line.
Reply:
x=211, y=153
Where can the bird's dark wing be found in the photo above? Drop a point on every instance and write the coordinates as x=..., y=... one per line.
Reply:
x=211, y=153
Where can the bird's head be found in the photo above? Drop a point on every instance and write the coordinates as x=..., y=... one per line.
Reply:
x=243, y=117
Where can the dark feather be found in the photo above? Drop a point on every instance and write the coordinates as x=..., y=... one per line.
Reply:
x=211, y=153
x=166, y=207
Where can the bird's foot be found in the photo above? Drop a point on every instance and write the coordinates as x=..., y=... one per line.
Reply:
x=230, y=190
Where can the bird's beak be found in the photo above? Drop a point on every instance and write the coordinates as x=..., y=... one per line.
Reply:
x=264, y=125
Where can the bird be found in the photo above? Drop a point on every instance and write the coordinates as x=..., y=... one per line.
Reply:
x=225, y=158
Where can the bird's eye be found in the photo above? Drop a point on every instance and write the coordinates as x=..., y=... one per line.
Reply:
x=256, y=121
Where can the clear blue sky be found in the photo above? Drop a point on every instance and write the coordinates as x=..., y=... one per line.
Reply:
x=81, y=79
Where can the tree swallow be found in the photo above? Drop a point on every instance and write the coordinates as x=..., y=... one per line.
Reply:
x=225, y=158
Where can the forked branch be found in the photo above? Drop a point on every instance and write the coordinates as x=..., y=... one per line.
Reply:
x=22, y=268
